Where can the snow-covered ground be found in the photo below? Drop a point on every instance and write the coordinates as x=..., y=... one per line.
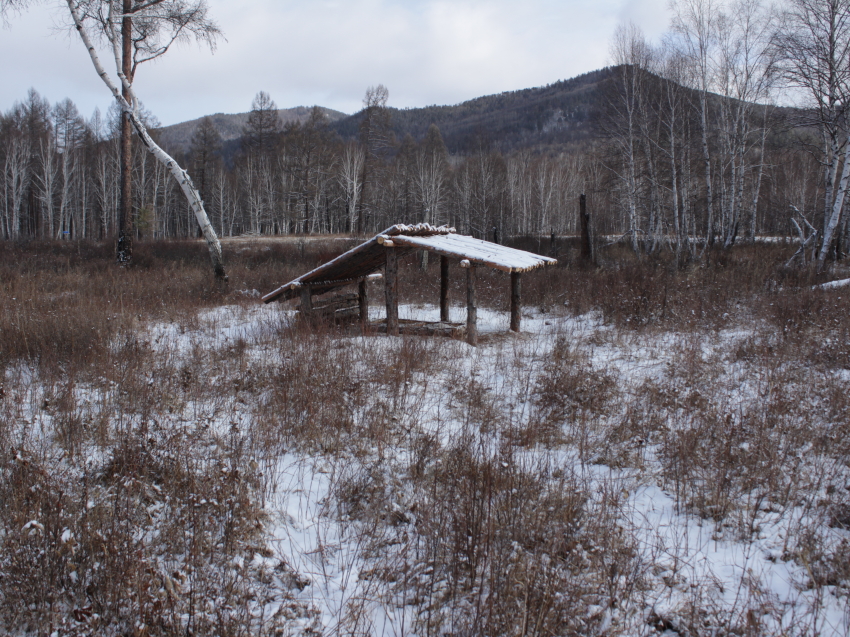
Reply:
x=747, y=578
x=687, y=559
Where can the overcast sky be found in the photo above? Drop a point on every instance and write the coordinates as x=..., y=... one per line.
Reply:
x=328, y=52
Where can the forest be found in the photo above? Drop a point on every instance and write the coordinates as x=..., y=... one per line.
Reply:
x=679, y=145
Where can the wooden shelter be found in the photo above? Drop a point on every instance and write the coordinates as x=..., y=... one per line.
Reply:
x=383, y=251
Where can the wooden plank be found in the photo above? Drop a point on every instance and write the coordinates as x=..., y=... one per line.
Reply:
x=422, y=328
x=363, y=302
x=346, y=256
x=444, y=289
x=335, y=302
x=448, y=253
x=471, y=310
x=516, y=302
x=461, y=252
x=391, y=291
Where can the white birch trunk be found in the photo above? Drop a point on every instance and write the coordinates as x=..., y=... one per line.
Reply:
x=46, y=186
x=179, y=175
x=706, y=157
x=351, y=169
x=18, y=176
x=835, y=215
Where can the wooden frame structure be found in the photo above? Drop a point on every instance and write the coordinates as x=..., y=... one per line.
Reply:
x=383, y=251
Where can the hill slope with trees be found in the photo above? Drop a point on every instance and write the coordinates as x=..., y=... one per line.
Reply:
x=231, y=126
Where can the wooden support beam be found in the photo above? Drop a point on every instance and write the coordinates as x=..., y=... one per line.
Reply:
x=471, y=310
x=516, y=300
x=444, y=289
x=391, y=291
x=363, y=301
x=584, y=224
x=306, y=300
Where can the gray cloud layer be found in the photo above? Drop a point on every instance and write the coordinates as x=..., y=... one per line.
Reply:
x=328, y=51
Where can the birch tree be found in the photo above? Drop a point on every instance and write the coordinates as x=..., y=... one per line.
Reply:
x=134, y=32
x=349, y=175
x=16, y=178
x=68, y=130
x=695, y=28
x=632, y=56
x=672, y=69
x=430, y=175
x=813, y=45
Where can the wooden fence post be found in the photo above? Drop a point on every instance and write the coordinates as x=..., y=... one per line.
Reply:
x=363, y=301
x=584, y=221
x=516, y=300
x=306, y=301
x=444, y=289
x=471, y=310
x=391, y=291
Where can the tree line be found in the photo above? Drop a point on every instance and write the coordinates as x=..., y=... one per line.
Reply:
x=690, y=152
x=61, y=176
x=697, y=146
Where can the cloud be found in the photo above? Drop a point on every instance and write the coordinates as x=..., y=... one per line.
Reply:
x=328, y=51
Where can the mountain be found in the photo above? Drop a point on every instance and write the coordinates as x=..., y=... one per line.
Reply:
x=563, y=113
x=553, y=115
x=178, y=137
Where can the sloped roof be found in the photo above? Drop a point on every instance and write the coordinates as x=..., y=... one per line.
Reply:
x=370, y=257
x=476, y=251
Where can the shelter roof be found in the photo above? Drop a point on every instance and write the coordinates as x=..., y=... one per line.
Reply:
x=370, y=256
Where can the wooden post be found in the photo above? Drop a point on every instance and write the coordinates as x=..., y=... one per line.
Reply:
x=584, y=220
x=391, y=291
x=363, y=300
x=516, y=302
x=444, y=289
x=471, y=310
x=306, y=301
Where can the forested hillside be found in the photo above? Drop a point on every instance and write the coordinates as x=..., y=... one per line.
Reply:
x=663, y=162
x=232, y=126
x=560, y=113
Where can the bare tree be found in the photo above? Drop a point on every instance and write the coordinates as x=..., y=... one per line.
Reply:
x=632, y=55
x=744, y=77
x=376, y=138
x=69, y=129
x=430, y=175
x=16, y=177
x=137, y=31
x=349, y=175
x=263, y=125
x=306, y=160
x=205, y=148
x=261, y=135
x=695, y=25
x=813, y=45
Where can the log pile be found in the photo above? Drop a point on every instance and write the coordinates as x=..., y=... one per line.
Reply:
x=336, y=309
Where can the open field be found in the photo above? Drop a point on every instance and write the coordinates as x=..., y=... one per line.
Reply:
x=657, y=451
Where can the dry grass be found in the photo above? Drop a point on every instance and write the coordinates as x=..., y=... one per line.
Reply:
x=142, y=450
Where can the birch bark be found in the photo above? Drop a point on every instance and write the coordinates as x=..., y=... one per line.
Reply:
x=179, y=174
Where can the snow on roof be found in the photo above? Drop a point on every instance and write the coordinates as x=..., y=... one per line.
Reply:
x=476, y=251
x=370, y=256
